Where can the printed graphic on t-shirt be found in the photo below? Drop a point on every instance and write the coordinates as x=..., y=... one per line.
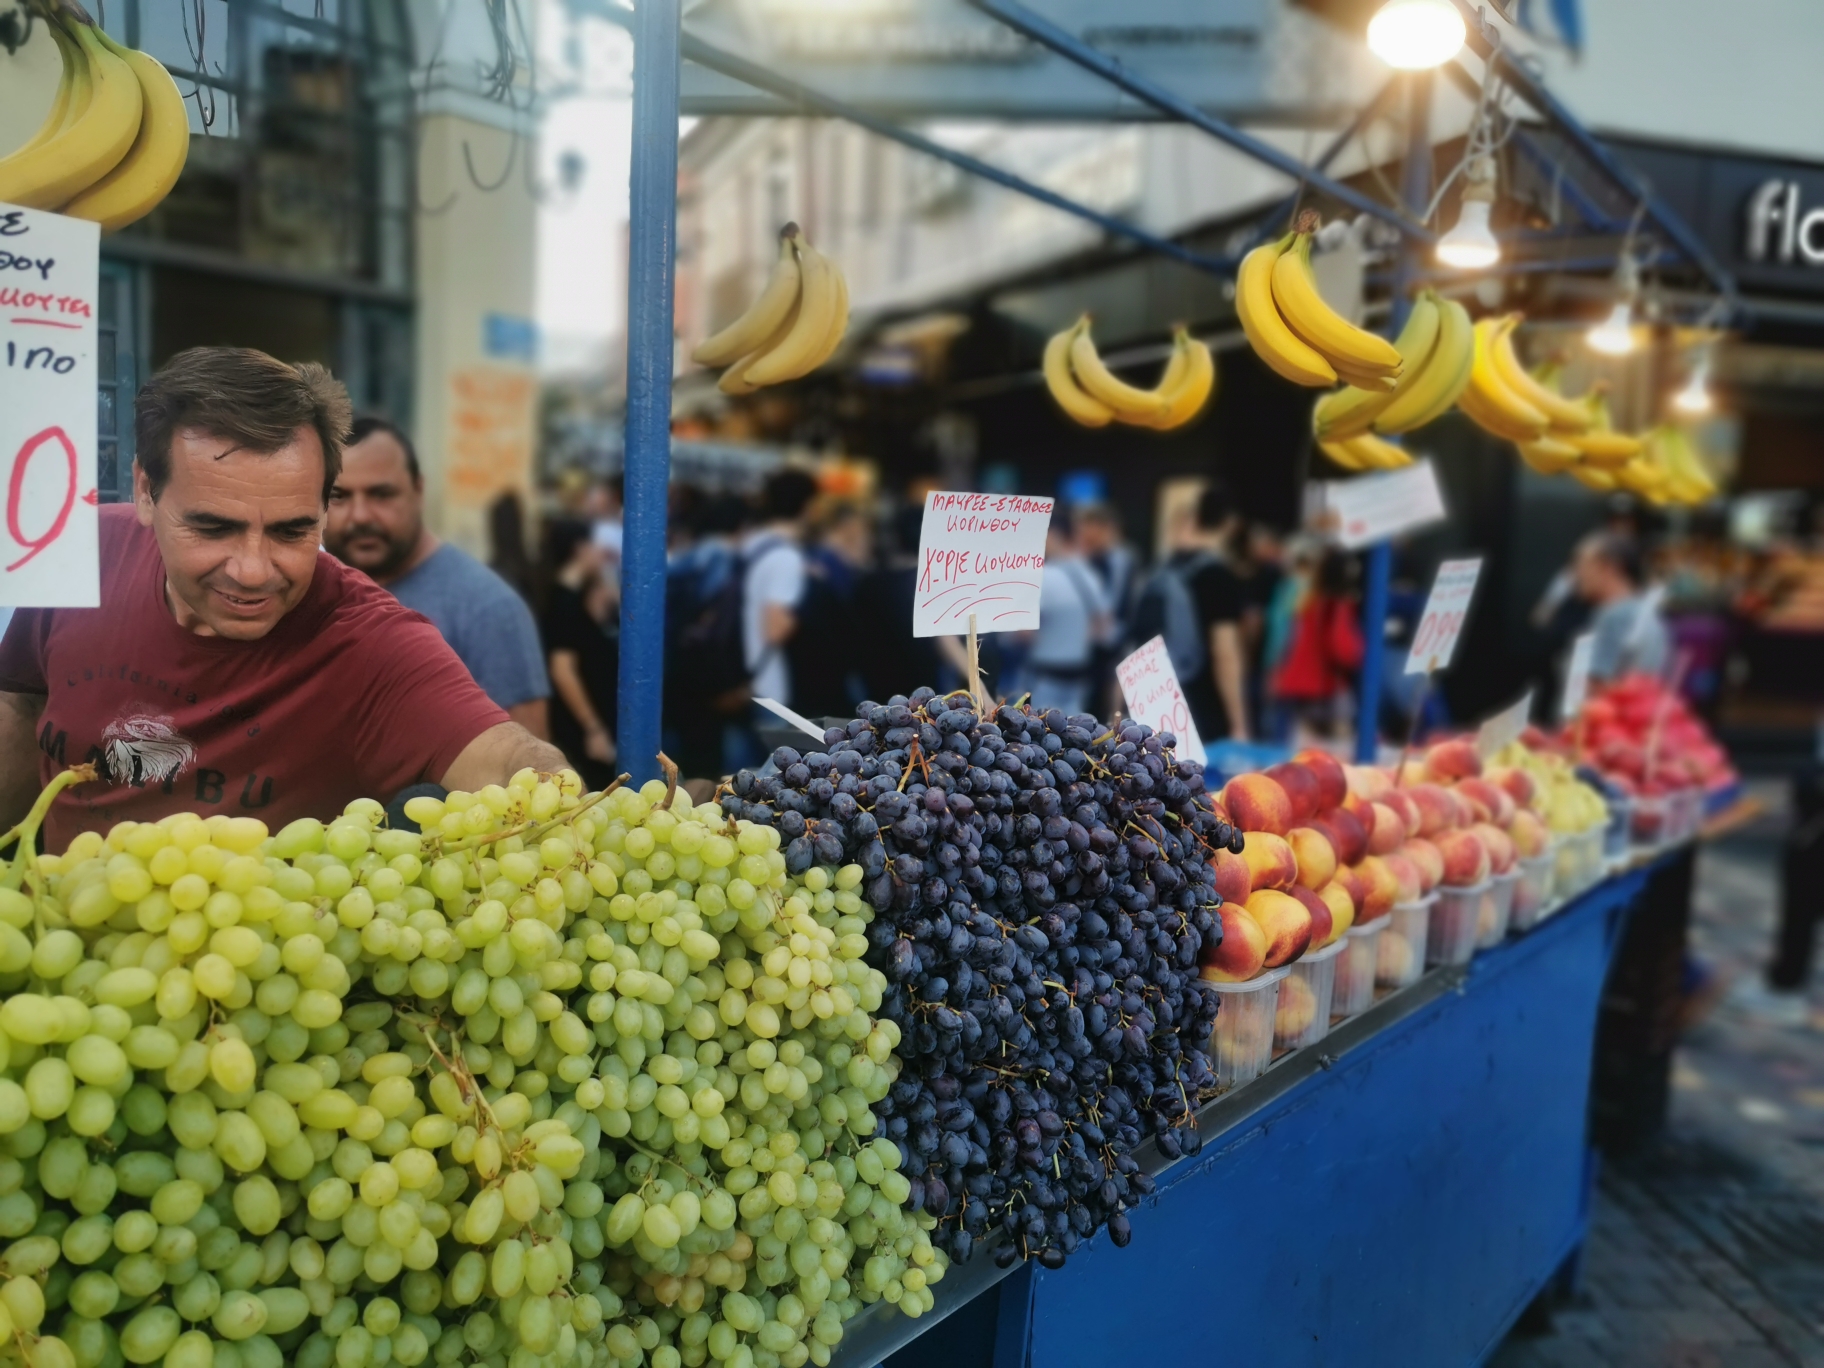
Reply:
x=146, y=748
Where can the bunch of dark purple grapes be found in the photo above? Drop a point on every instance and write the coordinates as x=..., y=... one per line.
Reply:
x=1042, y=889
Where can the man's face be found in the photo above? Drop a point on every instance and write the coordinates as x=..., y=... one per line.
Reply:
x=376, y=510
x=1095, y=536
x=237, y=530
x=1590, y=574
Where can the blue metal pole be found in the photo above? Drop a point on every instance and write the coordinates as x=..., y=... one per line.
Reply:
x=651, y=260
x=1415, y=189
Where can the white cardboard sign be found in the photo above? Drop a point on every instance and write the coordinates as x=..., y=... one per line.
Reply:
x=980, y=555
x=798, y=720
x=1504, y=726
x=1446, y=610
x=1156, y=699
x=49, y=556
x=1577, y=677
x=1373, y=508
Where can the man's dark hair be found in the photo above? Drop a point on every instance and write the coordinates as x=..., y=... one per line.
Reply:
x=368, y=424
x=786, y=495
x=243, y=396
x=1214, y=507
x=1621, y=553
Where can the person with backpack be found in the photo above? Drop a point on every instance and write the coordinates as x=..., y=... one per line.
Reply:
x=1324, y=651
x=1195, y=602
x=1073, y=621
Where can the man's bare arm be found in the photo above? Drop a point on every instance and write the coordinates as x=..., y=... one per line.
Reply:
x=18, y=755
x=498, y=754
x=534, y=715
x=1226, y=661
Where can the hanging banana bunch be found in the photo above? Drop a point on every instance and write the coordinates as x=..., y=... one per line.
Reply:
x=1436, y=347
x=1294, y=331
x=1689, y=481
x=792, y=328
x=1364, y=451
x=1094, y=396
x=1600, y=445
x=116, y=136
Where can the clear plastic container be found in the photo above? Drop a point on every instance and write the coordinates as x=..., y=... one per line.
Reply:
x=1400, y=957
x=1496, y=909
x=1303, y=1015
x=1652, y=820
x=1621, y=818
x=1454, y=918
x=1533, y=893
x=1595, y=866
x=1688, y=813
x=1353, y=991
x=1242, y=1044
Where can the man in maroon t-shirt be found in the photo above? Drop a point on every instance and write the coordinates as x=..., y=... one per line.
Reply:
x=234, y=667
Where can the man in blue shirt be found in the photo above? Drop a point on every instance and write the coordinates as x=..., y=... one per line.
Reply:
x=376, y=524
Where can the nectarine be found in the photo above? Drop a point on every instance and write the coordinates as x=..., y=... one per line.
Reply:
x=1243, y=951
x=1315, y=855
x=1495, y=800
x=1382, y=892
x=1233, y=881
x=1345, y=832
x=1285, y=921
x=1409, y=883
x=1332, y=783
x=1301, y=788
x=1371, y=781
x=1270, y=861
x=1453, y=759
x=1388, y=831
x=1431, y=864
x=1321, y=920
x=1465, y=858
x=1257, y=803
x=1500, y=846
x=1401, y=802
x=1342, y=908
x=1530, y=833
x=1437, y=809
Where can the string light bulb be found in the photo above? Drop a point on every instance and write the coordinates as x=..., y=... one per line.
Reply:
x=1416, y=35
x=1471, y=245
x=1695, y=399
x=1614, y=336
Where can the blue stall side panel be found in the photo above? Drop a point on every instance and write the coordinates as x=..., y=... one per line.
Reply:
x=1402, y=1207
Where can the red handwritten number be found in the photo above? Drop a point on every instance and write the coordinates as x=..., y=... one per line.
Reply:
x=15, y=492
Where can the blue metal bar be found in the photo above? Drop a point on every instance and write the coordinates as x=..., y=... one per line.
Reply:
x=651, y=257
x=1067, y=45
x=1415, y=189
x=751, y=73
x=1486, y=40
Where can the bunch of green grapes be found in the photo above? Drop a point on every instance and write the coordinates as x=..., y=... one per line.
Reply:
x=566, y=1080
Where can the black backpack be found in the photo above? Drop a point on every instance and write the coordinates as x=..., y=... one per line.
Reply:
x=708, y=670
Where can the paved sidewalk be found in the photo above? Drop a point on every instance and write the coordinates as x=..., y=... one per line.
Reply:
x=1708, y=1247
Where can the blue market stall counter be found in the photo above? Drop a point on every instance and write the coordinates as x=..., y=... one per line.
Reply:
x=1397, y=1194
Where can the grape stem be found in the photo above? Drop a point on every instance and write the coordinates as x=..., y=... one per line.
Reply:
x=670, y=769
x=26, y=857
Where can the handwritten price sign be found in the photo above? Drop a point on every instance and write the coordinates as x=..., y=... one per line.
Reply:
x=980, y=556
x=48, y=537
x=1155, y=697
x=1445, y=613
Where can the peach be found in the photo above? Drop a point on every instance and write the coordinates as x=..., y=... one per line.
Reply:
x=1363, y=808
x=1500, y=846
x=1301, y=788
x=1497, y=801
x=1387, y=833
x=1345, y=832
x=1472, y=806
x=1257, y=803
x=1519, y=784
x=1315, y=855
x=1243, y=951
x=1322, y=923
x=1412, y=773
x=1295, y=1008
x=1222, y=813
x=1370, y=781
x=1382, y=889
x=1285, y=921
x=1233, y=879
x=1270, y=861
x=1529, y=832
x=1342, y=908
x=1356, y=884
x=1437, y=809
x=1465, y=858
x=1431, y=864
x=1406, y=876
x=1332, y=783
x=1402, y=804
x=1454, y=759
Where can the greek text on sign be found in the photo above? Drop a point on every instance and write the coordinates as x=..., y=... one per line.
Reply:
x=980, y=556
x=1577, y=677
x=1445, y=613
x=1372, y=508
x=1504, y=726
x=49, y=556
x=1156, y=699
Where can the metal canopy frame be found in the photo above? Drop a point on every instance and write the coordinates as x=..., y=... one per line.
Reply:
x=660, y=46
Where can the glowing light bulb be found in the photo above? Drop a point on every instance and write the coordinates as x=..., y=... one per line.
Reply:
x=1695, y=398
x=1470, y=245
x=1415, y=35
x=1614, y=336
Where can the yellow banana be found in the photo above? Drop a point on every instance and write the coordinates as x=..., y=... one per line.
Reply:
x=763, y=317
x=1593, y=477
x=1366, y=452
x=1548, y=455
x=1601, y=445
x=1646, y=474
x=734, y=380
x=49, y=174
x=797, y=352
x=57, y=117
x=1690, y=482
x=1190, y=377
x=1088, y=411
x=1350, y=411
x=839, y=319
x=152, y=165
x=1440, y=379
x=1275, y=343
x=1130, y=403
x=1299, y=303
x=1343, y=454
x=1488, y=401
x=1564, y=415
